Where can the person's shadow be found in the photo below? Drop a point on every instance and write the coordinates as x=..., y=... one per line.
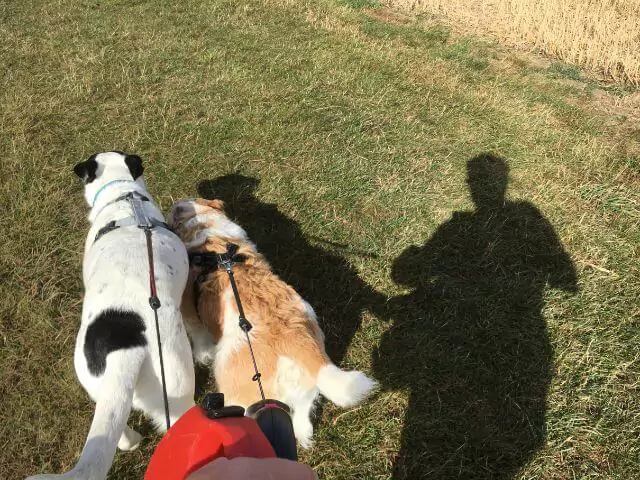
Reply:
x=469, y=342
x=326, y=280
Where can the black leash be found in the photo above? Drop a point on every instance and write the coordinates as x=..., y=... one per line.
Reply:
x=263, y=412
x=226, y=261
x=154, y=302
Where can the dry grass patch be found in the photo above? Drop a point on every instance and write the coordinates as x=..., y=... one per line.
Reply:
x=602, y=35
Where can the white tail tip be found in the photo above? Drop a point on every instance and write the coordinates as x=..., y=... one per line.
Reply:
x=345, y=389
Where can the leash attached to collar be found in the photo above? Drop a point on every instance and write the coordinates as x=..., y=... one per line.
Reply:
x=213, y=261
x=147, y=224
x=208, y=262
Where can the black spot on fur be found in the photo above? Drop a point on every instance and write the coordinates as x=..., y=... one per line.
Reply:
x=134, y=163
x=112, y=330
x=87, y=170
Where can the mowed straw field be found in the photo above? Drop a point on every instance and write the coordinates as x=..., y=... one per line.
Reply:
x=601, y=35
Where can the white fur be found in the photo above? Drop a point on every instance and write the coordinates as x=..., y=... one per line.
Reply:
x=202, y=345
x=292, y=383
x=233, y=337
x=343, y=388
x=116, y=275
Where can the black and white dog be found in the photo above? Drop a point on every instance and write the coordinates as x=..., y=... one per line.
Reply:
x=116, y=357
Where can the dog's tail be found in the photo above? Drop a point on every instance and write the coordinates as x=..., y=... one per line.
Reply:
x=344, y=388
x=113, y=406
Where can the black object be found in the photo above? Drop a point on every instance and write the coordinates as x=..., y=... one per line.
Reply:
x=213, y=406
x=208, y=262
x=274, y=419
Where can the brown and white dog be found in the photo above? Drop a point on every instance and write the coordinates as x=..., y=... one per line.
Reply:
x=286, y=339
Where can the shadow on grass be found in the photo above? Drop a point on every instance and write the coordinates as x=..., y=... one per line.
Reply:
x=322, y=278
x=469, y=342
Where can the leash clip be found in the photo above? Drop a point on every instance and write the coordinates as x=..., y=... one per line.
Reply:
x=225, y=260
x=142, y=219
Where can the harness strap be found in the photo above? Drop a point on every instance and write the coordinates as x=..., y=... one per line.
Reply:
x=126, y=222
x=139, y=219
x=208, y=261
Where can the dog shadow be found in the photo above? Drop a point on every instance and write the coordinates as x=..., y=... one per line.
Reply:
x=324, y=279
x=469, y=342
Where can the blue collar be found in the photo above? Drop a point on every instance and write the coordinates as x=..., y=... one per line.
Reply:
x=101, y=189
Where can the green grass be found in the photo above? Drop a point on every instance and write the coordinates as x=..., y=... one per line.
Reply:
x=506, y=341
x=560, y=70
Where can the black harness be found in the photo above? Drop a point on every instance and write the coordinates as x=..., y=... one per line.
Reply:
x=210, y=262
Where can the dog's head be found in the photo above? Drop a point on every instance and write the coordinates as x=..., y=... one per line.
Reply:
x=197, y=220
x=101, y=169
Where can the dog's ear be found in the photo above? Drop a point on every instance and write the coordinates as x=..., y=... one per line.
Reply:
x=134, y=163
x=87, y=170
x=216, y=204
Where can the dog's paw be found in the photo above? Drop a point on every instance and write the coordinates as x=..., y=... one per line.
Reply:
x=202, y=347
x=129, y=440
x=305, y=442
x=203, y=351
x=203, y=357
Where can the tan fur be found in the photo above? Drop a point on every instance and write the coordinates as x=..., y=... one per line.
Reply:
x=282, y=324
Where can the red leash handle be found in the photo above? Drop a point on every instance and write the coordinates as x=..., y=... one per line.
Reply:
x=196, y=440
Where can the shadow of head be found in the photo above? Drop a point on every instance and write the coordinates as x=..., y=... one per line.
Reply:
x=487, y=178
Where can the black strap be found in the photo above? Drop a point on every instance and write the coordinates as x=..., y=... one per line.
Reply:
x=113, y=225
x=106, y=229
x=208, y=262
x=225, y=260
